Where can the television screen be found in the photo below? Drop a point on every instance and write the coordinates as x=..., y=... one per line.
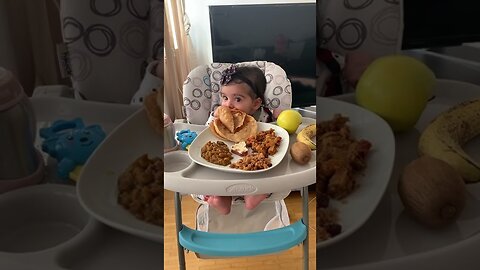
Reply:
x=432, y=23
x=280, y=33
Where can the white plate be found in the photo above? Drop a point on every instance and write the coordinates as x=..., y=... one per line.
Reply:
x=97, y=185
x=206, y=135
x=355, y=210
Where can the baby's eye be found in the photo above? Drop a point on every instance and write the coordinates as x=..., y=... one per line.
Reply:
x=238, y=99
x=224, y=97
x=69, y=137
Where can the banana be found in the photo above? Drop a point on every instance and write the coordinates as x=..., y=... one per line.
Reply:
x=444, y=137
x=307, y=134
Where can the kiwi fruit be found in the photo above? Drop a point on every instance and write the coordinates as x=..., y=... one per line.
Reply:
x=432, y=191
x=301, y=153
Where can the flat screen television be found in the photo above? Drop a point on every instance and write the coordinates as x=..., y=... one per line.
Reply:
x=280, y=33
x=433, y=23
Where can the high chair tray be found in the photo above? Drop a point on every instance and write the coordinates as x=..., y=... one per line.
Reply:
x=49, y=109
x=243, y=244
x=391, y=239
x=44, y=226
x=185, y=176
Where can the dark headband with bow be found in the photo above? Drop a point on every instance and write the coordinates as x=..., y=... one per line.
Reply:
x=227, y=74
x=231, y=72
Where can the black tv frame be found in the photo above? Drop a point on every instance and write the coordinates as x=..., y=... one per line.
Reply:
x=433, y=23
x=308, y=96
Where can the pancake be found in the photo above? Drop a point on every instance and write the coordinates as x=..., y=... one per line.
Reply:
x=225, y=115
x=214, y=131
x=248, y=129
x=154, y=112
x=238, y=119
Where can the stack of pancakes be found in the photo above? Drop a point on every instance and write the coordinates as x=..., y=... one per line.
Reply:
x=153, y=103
x=233, y=125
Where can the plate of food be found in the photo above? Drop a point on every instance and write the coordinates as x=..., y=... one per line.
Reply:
x=355, y=158
x=235, y=142
x=121, y=183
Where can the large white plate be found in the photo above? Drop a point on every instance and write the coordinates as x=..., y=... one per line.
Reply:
x=355, y=210
x=206, y=135
x=97, y=184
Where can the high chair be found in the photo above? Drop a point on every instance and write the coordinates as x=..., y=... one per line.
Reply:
x=267, y=228
x=108, y=50
x=206, y=79
x=202, y=86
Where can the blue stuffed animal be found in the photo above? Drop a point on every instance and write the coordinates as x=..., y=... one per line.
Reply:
x=71, y=143
x=186, y=137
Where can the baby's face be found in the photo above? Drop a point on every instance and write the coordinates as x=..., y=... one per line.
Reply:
x=238, y=96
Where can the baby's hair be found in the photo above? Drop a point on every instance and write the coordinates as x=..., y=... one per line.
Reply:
x=250, y=75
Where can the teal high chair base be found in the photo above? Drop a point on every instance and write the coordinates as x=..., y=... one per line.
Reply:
x=243, y=244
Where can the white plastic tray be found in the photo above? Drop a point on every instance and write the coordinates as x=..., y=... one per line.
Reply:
x=185, y=176
x=89, y=244
x=90, y=247
x=390, y=239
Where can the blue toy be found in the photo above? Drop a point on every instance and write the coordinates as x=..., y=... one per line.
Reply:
x=186, y=137
x=71, y=143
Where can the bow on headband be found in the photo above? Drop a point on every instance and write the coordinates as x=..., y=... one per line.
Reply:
x=227, y=74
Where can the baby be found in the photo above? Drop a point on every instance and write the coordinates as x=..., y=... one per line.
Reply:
x=243, y=89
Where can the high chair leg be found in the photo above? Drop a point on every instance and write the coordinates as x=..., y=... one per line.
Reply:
x=305, y=221
x=179, y=225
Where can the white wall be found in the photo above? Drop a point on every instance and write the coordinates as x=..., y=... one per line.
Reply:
x=197, y=12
